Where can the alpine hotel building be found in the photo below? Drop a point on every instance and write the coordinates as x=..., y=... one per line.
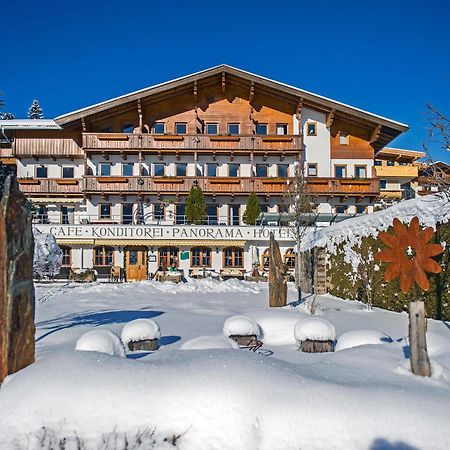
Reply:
x=110, y=181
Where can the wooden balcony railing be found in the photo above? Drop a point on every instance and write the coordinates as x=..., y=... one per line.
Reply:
x=54, y=186
x=122, y=142
x=228, y=185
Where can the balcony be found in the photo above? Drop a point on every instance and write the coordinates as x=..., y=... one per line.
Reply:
x=50, y=186
x=120, y=142
x=347, y=187
x=396, y=171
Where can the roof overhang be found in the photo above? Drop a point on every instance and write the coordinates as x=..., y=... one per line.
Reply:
x=29, y=124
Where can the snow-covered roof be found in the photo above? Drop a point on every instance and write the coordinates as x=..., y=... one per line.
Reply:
x=29, y=124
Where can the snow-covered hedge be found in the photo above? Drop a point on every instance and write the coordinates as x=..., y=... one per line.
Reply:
x=102, y=341
x=140, y=330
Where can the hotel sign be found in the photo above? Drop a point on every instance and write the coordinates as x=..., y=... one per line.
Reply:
x=149, y=232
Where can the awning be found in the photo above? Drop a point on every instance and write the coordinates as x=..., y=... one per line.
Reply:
x=75, y=241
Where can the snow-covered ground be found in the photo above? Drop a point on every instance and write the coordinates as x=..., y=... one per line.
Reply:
x=362, y=397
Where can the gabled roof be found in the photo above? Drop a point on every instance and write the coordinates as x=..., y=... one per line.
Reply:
x=399, y=154
x=388, y=129
x=29, y=124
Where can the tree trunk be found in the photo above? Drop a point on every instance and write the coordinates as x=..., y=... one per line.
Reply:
x=418, y=354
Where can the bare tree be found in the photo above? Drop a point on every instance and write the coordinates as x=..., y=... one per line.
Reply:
x=300, y=217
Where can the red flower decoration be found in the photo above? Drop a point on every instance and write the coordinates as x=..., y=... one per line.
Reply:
x=409, y=254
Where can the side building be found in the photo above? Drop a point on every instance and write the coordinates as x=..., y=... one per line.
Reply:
x=110, y=181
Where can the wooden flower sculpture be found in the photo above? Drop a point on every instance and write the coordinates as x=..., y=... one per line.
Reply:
x=409, y=254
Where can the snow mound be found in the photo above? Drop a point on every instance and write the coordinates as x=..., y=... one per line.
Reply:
x=47, y=255
x=240, y=325
x=356, y=338
x=209, y=342
x=140, y=330
x=315, y=329
x=102, y=341
x=277, y=326
x=437, y=344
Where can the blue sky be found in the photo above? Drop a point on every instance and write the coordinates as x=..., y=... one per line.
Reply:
x=388, y=57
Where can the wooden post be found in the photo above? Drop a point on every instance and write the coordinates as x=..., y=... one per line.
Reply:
x=418, y=354
x=277, y=279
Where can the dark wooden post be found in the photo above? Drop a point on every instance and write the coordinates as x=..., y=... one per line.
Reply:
x=16, y=282
x=420, y=364
x=277, y=278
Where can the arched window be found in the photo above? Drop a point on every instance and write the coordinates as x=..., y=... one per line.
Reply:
x=233, y=257
x=289, y=258
x=201, y=257
x=103, y=256
x=168, y=256
x=265, y=259
x=67, y=255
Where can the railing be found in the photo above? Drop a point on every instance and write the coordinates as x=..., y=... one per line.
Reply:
x=50, y=185
x=122, y=141
x=210, y=185
x=397, y=171
x=343, y=186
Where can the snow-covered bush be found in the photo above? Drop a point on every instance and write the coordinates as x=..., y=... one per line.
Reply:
x=102, y=341
x=140, y=330
x=355, y=338
x=314, y=329
x=209, y=342
x=241, y=326
x=47, y=255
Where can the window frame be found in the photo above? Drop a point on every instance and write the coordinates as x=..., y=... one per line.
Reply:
x=154, y=169
x=169, y=257
x=66, y=255
x=123, y=214
x=265, y=259
x=164, y=210
x=234, y=256
x=345, y=168
x=359, y=166
x=262, y=165
x=308, y=124
x=104, y=164
x=177, y=165
x=40, y=166
x=238, y=128
x=207, y=124
x=202, y=250
x=105, y=250
x=182, y=124
x=67, y=167
x=289, y=258
x=340, y=206
x=100, y=216
x=344, y=137
x=263, y=124
x=207, y=169
x=128, y=165
x=238, y=169
x=287, y=170
x=309, y=166
x=156, y=124
x=286, y=129
x=126, y=125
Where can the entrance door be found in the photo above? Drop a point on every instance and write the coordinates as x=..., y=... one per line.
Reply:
x=136, y=263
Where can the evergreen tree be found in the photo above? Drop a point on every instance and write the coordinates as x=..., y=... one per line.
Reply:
x=35, y=111
x=5, y=115
x=195, y=206
x=252, y=210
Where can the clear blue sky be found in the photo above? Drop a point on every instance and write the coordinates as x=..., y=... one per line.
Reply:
x=388, y=57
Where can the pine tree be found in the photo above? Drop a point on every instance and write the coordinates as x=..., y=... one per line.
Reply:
x=35, y=111
x=195, y=206
x=252, y=210
x=5, y=115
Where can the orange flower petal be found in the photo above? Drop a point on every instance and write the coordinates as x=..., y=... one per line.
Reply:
x=389, y=239
x=399, y=229
x=387, y=256
x=431, y=250
x=426, y=234
x=430, y=265
x=414, y=226
x=406, y=280
x=421, y=279
x=392, y=271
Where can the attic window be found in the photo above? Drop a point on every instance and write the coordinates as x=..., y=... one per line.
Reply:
x=311, y=129
x=159, y=128
x=343, y=139
x=128, y=128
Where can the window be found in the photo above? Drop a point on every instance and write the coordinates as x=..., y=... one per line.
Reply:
x=212, y=128
x=390, y=163
x=233, y=257
x=289, y=258
x=382, y=184
x=128, y=128
x=159, y=128
x=168, y=256
x=282, y=170
x=103, y=256
x=41, y=171
x=340, y=171
x=282, y=128
x=211, y=211
x=233, y=170
x=340, y=209
x=105, y=169
x=180, y=213
x=261, y=170
x=233, y=128
x=66, y=255
x=201, y=257
x=127, y=169
x=181, y=128
x=311, y=129
x=265, y=259
x=159, y=170
x=377, y=162
x=42, y=214
x=343, y=138
x=282, y=208
x=180, y=169
x=312, y=170
x=360, y=172
x=127, y=213
x=67, y=215
x=361, y=209
x=261, y=128
x=211, y=170
x=105, y=211
x=67, y=172
x=234, y=215
x=264, y=207
x=159, y=211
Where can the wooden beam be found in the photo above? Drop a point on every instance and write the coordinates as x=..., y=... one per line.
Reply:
x=375, y=134
x=298, y=109
x=139, y=108
x=83, y=124
x=330, y=117
x=252, y=91
x=223, y=82
x=195, y=90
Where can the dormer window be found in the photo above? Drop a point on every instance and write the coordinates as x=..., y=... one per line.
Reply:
x=282, y=129
x=212, y=128
x=261, y=128
x=343, y=139
x=180, y=128
x=159, y=128
x=233, y=128
x=311, y=129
